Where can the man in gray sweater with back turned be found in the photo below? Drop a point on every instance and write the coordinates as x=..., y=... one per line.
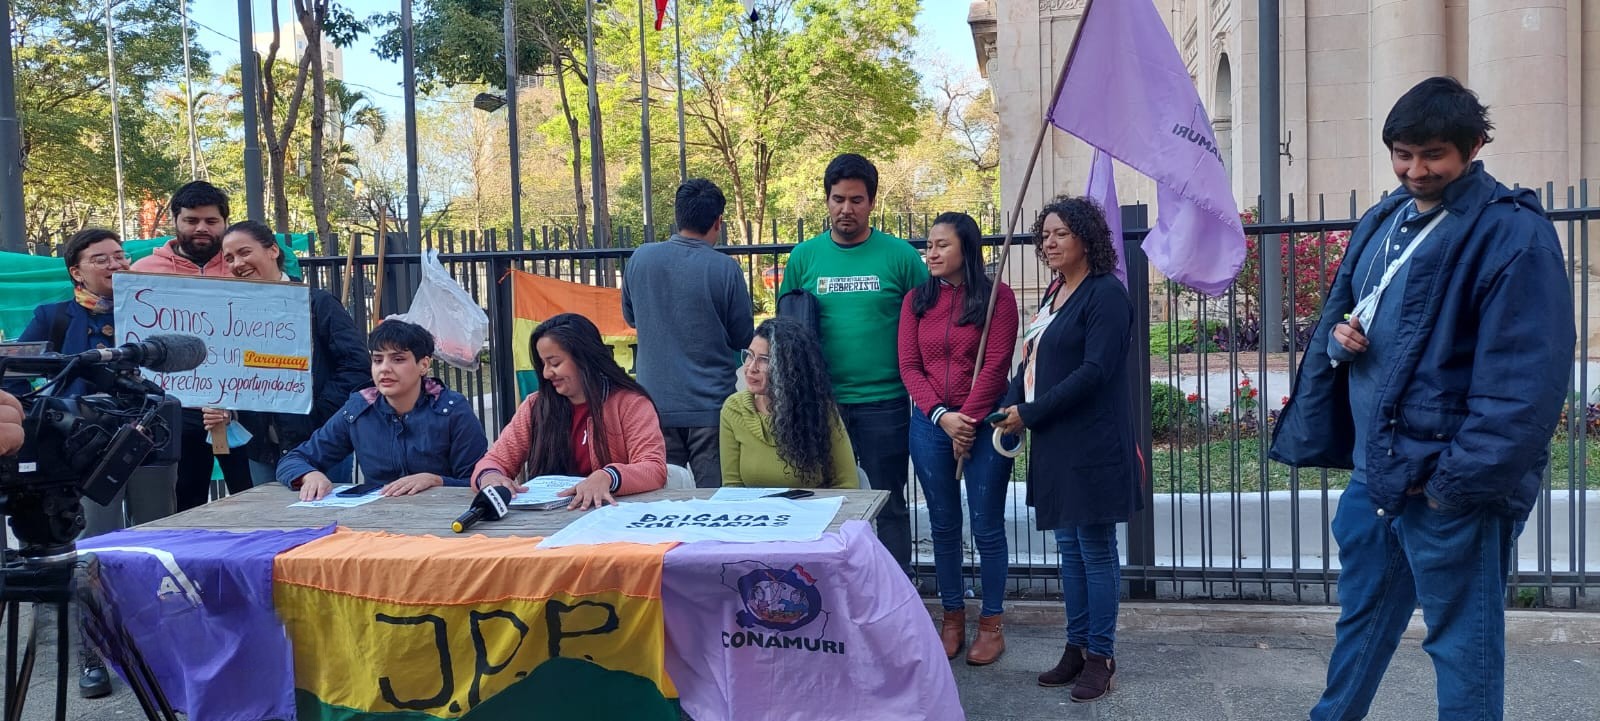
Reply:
x=693, y=313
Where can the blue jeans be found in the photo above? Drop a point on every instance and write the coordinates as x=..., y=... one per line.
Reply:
x=878, y=431
x=1455, y=564
x=988, y=473
x=1091, y=585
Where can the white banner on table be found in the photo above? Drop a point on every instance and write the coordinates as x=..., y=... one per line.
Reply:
x=774, y=519
x=257, y=335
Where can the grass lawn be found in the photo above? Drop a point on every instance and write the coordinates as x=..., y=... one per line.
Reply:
x=1209, y=468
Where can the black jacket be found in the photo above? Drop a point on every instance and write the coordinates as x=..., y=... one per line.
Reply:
x=1083, y=465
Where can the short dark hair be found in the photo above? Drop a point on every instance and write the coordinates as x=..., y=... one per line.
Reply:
x=698, y=205
x=1087, y=221
x=261, y=234
x=850, y=166
x=1439, y=108
x=198, y=194
x=83, y=239
x=400, y=335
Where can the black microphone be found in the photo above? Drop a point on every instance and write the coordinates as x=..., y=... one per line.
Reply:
x=163, y=353
x=492, y=503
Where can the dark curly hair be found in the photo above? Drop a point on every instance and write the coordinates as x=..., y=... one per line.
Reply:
x=551, y=450
x=1087, y=221
x=801, y=394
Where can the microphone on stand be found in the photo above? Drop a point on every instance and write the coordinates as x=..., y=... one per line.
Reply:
x=492, y=503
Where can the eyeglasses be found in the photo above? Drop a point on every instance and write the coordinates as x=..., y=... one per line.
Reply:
x=758, y=362
x=105, y=261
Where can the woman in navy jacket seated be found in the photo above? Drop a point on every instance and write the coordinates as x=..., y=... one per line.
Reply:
x=409, y=433
x=1074, y=394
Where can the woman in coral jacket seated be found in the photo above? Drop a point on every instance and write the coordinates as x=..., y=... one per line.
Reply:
x=589, y=420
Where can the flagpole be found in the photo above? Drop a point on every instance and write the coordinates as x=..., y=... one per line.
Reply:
x=644, y=131
x=1016, y=206
x=677, y=30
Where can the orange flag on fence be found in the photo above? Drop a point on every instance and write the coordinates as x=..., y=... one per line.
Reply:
x=535, y=298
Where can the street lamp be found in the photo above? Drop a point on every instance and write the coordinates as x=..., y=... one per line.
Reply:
x=488, y=102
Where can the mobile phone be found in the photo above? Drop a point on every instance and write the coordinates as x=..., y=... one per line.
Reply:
x=994, y=417
x=792, y=494
x=360, y=490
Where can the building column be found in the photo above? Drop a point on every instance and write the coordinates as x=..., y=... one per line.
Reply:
x=1408, y=46
x=1517, y=59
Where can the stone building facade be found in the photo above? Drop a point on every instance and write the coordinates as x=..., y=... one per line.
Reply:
x=1536, y=63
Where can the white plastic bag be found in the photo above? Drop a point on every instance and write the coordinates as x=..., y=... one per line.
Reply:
x=459, y=326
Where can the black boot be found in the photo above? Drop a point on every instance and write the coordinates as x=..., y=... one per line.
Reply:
x=94, y=681
x=1066, y=670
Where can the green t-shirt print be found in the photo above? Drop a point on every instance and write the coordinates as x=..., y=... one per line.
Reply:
x=859, y=290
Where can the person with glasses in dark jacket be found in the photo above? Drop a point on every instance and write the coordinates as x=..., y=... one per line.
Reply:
x=93, y=256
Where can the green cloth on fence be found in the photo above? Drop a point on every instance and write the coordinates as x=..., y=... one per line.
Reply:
x=27, y=281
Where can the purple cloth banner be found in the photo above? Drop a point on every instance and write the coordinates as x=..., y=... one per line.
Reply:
x=1128, y=93
x=198, y=607
x=1103, y=190
x=826, y=629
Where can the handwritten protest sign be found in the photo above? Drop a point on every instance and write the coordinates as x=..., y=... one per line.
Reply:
x=257, y=335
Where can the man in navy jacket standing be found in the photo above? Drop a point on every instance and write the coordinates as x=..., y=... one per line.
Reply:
x=1437, y=375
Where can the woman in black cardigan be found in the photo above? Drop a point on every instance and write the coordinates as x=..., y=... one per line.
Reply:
x=1074, y=393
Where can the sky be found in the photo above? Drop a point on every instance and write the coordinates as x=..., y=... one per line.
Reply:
x=941, y=27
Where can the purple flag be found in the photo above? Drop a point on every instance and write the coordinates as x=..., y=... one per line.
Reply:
x=197, y=607
x=1103, y=190
x=1128, y=93
x=826, y=629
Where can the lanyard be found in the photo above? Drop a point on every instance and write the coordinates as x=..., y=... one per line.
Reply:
x=1367, y=308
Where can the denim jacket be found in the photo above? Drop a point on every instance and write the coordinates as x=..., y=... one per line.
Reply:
x=440, y=435
x=1483, y=361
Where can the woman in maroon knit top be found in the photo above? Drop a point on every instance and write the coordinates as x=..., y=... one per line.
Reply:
x=940, y=325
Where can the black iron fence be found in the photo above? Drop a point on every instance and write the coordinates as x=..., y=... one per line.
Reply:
x=1221, y=521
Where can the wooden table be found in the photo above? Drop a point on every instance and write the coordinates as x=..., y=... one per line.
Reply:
x=430, y=512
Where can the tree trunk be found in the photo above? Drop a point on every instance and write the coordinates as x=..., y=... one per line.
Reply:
x=577, y=158
x=312, y=15
x=278, y=141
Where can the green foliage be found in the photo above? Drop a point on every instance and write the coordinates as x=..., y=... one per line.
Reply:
x=64, y=105
x=463, y=41
x=1183, y=336
x=1171, y=411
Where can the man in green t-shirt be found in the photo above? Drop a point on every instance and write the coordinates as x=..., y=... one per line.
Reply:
x=860, y=276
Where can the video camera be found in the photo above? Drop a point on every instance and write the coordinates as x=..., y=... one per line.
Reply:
x=89, y=443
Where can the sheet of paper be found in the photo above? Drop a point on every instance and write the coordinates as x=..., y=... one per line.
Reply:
x=765, y=519
x=543, y=489
x=334, y=500
x=727, y=493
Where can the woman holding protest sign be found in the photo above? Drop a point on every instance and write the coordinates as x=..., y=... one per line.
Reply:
x=589, y=419
x=339, y=359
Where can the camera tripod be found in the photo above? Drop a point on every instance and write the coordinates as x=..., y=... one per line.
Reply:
x=47, y=577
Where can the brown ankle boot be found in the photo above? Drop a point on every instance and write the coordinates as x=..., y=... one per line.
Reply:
x=1066, y=670
x=990, y=644
x=1096, y=679
x=953, y=632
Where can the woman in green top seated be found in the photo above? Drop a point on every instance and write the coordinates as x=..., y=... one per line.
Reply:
x=785, y=432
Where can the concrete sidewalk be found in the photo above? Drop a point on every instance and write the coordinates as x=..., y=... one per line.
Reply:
x=1184, y=662
x=1199, y=662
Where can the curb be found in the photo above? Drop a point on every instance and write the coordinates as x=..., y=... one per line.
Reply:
x=1522, y=626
